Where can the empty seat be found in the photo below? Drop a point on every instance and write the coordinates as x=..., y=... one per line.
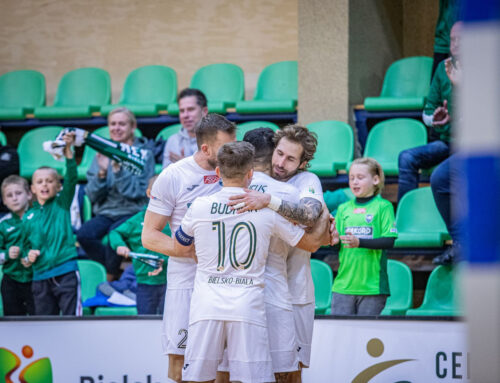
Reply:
x=276, y=90
x=80, y=93
x=440, y=296
x=401, y=285
x=147, y=90
x=91, y=275
x=335, y=147
x=20, y=93
x=89, y=153
x=31, y=153
x=406, y=85
x=418, y=220
x=222, y=84
x=323, y=281
x=251, y=125
x=390, y=137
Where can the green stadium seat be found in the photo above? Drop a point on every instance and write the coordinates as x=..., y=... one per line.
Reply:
x=80, y=93
x=222, y=84
x=406, y=85
x=390, y=137
x=251, y=125
x=276, y=90
x=418, y=221
x=335, y=147
x=165, y=133
x=91, y=275
x=401, y=285
x=115, y=311
x=323, y=281
x=20, y=93
x=3, y=139
x=31, y=153
x=440, y=294
x=86, y=209
x=147, y=90
x=89, y=153
x=334, y=198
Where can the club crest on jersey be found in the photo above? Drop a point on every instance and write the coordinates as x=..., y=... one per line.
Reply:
x=311, y=190
x=369, y=218
x=210, y=179
x=360, y=210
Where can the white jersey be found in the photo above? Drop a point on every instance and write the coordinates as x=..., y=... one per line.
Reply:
x=276, y=290
x=300, y=281
x=232, y=251
x=173, y=192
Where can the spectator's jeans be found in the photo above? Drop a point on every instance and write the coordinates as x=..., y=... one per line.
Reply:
x=446, y=177
x=17, y=297
x=57, y=295
x=421, y=157
x=150, y=299
x=90, y=238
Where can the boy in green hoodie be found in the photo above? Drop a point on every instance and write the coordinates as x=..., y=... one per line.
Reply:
x=49, y=242
x=16, y=282
x=151, y=285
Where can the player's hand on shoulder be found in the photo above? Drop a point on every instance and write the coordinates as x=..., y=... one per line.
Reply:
x=250, y=200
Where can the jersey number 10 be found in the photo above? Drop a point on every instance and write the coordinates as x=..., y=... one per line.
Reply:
x=220, y=227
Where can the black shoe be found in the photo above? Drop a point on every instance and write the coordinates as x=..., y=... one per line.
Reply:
x=446, y=258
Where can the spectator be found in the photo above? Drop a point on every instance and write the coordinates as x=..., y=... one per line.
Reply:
x=48, y=240
x=437, y=115
x=367, y=227
x=448, y=15
x=16, y=282
x=151, y=287
x=192, y=108
x=9, y=164
x=116, y=193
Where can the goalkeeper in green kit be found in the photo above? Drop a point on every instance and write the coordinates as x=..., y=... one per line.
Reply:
x=367, y=228
x=126, y=241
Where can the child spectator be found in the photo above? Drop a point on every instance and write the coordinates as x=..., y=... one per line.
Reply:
x=151, y=285
x=49, y=241
x=367, y=227
x=16, y=282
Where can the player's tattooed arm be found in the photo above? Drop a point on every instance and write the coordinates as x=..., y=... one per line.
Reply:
x=306, y=212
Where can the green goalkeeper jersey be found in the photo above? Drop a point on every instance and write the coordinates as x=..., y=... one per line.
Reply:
x=129, y=234
x=10, y=235
x=364, y=271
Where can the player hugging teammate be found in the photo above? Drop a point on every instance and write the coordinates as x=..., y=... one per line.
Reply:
x=235, y=324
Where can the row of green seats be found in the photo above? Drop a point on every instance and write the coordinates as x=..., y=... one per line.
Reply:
x=439, y=299
x=147, y=91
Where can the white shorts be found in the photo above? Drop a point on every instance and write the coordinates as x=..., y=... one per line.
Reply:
x=176, y=321
x=247, y=348
x=282, y=339
x=304, y=323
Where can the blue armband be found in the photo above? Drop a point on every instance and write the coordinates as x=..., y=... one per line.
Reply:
x=183, y=238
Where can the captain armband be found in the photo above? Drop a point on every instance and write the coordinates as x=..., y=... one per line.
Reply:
x=183, y=238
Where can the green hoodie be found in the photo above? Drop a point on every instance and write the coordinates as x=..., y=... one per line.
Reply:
x=129, y=234
x=48, y=228
x=10, y=235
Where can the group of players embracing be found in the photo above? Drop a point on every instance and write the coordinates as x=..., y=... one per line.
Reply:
x=246, y=217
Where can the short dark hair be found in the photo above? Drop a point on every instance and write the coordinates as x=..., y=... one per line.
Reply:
x=201, y=99
x=209, y=126
x=235, y=159
x=262, y=140
x=300, y=135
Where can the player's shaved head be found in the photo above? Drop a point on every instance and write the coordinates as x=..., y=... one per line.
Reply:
x=235, y=159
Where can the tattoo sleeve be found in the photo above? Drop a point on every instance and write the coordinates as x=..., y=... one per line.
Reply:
x=306, y=212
